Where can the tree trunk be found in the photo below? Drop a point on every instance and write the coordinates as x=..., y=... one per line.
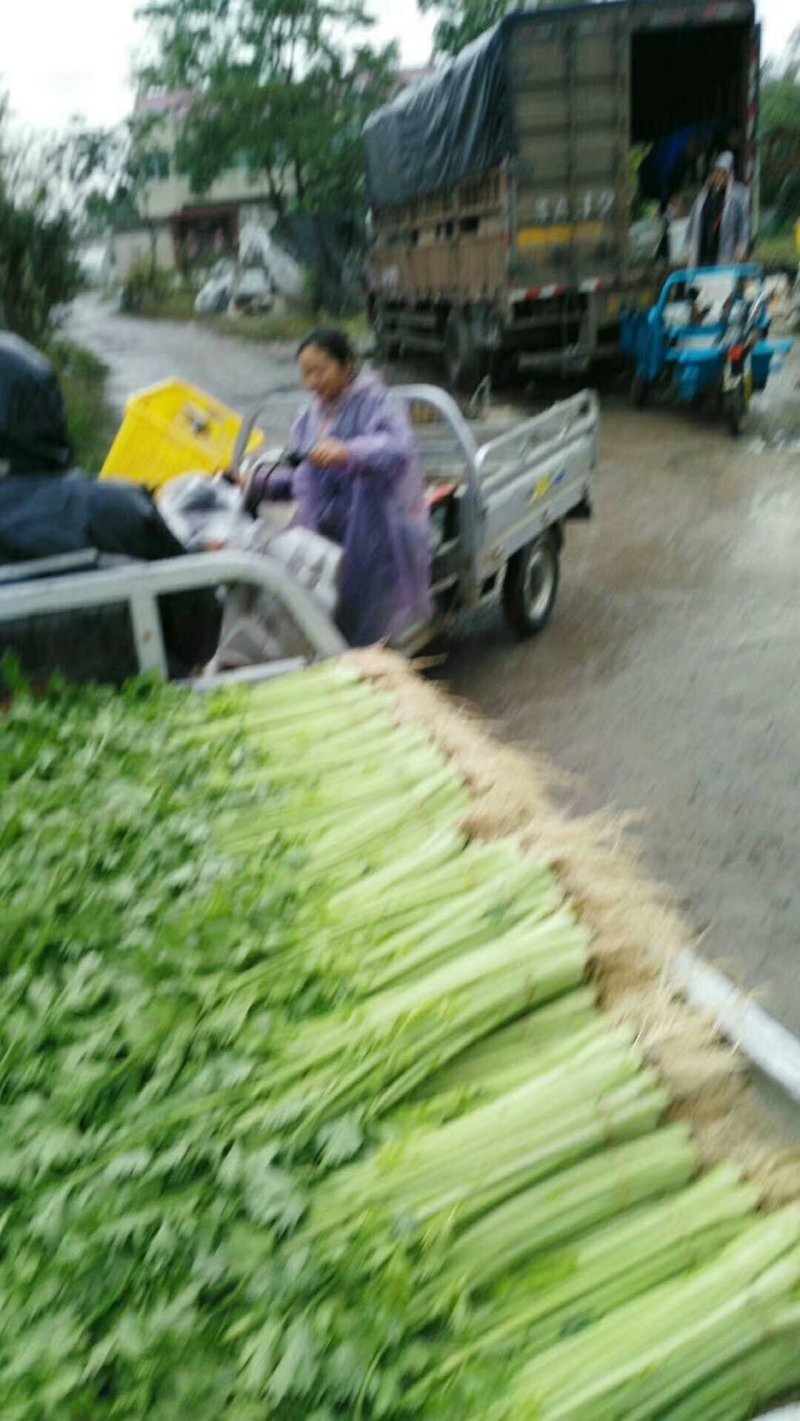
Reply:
x=276, y=196
x=299, y=183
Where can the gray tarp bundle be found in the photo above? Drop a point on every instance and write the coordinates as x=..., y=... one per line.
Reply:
x=455, y=125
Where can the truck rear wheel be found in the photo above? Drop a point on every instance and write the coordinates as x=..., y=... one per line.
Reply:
x=387, y=346
x=531, y=585
x=503, y=368
x=460, y=356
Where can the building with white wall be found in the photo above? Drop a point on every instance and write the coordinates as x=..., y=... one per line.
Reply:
x=180, y=228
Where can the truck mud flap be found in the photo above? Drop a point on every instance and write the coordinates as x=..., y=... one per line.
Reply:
x=581, y=511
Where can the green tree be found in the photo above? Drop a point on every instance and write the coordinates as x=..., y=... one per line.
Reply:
x=102, y=171
x=38, y=269
x=780, y=130
x=461, y=21
x=278, y=84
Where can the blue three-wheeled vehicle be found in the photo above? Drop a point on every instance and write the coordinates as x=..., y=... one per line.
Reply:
x=705, y=340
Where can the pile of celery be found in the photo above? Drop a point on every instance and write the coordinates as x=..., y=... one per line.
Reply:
x=306, y=1107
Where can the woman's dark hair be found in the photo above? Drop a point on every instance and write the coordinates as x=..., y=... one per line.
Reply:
x=333, y=341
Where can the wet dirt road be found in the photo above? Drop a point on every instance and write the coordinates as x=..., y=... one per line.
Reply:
x=668, y=682
x=140, y=353
x=669, y=679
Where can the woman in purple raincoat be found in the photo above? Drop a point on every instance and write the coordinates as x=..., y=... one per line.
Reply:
x=360, y=484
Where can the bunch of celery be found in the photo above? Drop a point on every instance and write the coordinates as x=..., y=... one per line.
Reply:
x=307, y=1108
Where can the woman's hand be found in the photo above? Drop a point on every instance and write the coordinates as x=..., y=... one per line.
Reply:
x=329, y=454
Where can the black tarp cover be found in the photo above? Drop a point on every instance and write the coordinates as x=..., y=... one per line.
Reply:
x=44, y=509
x=453, y=126
x=43, y=517
x=33, y=424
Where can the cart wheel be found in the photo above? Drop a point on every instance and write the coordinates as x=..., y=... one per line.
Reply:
x=639, y=392
x=736, y=409
x=460, y=356
x=530, y=586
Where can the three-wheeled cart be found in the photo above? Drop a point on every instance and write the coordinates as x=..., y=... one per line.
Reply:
x=705, y=340
x=499, y=497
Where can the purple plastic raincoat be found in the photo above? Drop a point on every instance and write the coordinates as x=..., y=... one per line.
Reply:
x=374, y=506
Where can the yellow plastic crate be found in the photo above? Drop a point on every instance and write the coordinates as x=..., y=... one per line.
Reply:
x=172, y=429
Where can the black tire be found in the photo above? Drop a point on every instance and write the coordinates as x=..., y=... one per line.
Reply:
x=638, y=392
x=530, y=586
x=736, y=409
x=460, y=356
x=503, y=369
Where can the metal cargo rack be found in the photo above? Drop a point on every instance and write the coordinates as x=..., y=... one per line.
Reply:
x=34, y=594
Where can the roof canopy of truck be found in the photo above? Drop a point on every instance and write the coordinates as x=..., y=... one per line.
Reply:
x=460, y=123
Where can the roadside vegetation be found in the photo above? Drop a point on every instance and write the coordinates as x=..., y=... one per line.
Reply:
x=39, y=275
x=153, y=294
x=778, y=252
x=281, y=326
x=92, y=422
x=289, y=325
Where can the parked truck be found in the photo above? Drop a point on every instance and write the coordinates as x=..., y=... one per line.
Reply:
x=503, y=187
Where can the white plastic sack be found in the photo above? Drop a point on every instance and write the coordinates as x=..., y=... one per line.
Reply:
x=256, y=248
x=255, y=627
x=203, y=512
x=312, y=561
